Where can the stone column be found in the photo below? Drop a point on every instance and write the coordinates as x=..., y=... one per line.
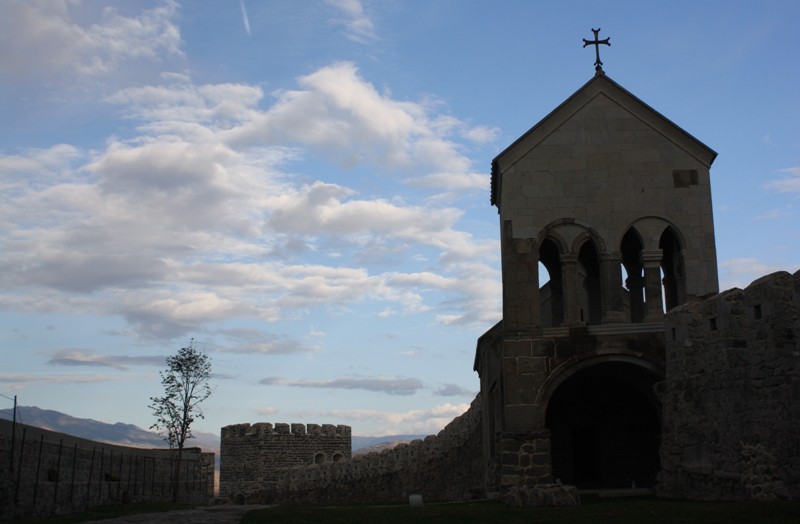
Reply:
x=654, y=306
x=569, y=280
x=611, y=288
x=635, y=285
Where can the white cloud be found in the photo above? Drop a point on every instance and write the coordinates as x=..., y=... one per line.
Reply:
x=391, y=386
x=44, y=37
x=452, y=181
x=358, y=26
x=740, y=272
x=49, y=161
x=788, y=184
x=316, y=333
x=773, y=214
x=77, y=357
x=180, y=107
x=172, y=315
x=261, y=342
x=344, y=117
x=184, y=224
x=20, y=381
x=386, y=313
x=482, y=134
x=454, y=390
x=323, y=208
x=745, y=266
x=418, y=421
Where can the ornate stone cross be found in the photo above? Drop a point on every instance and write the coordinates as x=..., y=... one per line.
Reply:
x=598, y=64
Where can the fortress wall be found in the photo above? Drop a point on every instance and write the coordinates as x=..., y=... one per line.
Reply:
x=252, y=457
x=731, y=398
x=45, y=473
x=444, y=467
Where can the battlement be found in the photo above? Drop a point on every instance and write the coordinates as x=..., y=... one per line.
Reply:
x=762, y=315
x=263, y=429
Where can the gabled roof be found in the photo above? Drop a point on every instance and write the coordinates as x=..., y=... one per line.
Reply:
x=600, y=83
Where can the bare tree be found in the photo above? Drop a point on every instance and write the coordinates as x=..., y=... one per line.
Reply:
x=186, y=385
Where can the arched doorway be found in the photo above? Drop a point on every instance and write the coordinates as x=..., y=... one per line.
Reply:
x=605, y=422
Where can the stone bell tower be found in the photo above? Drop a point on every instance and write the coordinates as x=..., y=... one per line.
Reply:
x=605, y=224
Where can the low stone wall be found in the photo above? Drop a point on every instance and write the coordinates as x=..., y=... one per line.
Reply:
x=731, y=398
x=444, y=467
x=45, y=473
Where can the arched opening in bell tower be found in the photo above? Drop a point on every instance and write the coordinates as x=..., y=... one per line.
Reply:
x=551, y=293
x=604, y=423
x=631, y=250
x=672, y=269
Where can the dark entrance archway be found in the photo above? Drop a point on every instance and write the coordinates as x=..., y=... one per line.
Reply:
x=605, y=425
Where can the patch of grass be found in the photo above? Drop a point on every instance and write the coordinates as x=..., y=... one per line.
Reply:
x=619, y=511
x=104, y=512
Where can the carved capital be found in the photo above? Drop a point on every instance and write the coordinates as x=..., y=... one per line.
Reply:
x=651, y=257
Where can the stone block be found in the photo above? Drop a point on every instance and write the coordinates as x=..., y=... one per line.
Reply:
x=510, y=367
x=528, y=365
x=519, y=418
x=543, y=348
x=510, y=445
x=517, y=348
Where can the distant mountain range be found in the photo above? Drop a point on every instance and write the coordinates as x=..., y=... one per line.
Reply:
x=119, y=433
x=134, y=436
x=364, y=445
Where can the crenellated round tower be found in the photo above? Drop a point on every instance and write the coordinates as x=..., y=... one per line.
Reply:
x=252, y=456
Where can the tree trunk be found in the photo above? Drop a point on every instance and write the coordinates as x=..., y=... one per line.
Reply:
x=176, y=478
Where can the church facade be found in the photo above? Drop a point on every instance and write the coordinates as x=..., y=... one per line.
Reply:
x=605, y=223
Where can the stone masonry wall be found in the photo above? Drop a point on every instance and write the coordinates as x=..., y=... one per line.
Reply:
x=524, y=461
x=444, y=467
x=252, y=457
x=44, y=473
x=731, y=398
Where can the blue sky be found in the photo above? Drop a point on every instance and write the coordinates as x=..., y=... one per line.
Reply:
x=303, y=186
